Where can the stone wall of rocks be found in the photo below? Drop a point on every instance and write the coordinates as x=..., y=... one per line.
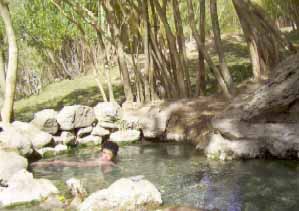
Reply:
x=52, y=132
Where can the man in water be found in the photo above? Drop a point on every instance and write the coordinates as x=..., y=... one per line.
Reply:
x=106, y=160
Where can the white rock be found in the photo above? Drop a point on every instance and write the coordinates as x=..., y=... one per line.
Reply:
x=108, y=125
x=84, y=131
x=76, y=116
x=76, y=187
x=89, y=140
x=127, y=194
x=223, y=149
x=46, y=120
x=38, y=138
x=60, y=148
x=47, y=152
x=11, y=163
x=68, y=138
x=13, y=139
x=125, y=136
x=50, y=151
x=23, y=188
x=100, y=131
x=107, y=111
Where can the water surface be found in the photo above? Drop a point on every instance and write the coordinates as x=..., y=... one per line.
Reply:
x=186, y=177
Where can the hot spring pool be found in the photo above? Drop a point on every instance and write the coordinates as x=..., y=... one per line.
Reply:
x=186, y=177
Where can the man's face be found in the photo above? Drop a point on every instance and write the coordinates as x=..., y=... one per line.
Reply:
x=106, y=155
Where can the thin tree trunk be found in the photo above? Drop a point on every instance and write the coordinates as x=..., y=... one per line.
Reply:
x=181, y=42
x=11, y=76
x=201, y=73
x=119, y=50
x=2, y=79
x=146, y=39
x=179, y=68
x=205, y=54
x=2, y=74
x=217, y=38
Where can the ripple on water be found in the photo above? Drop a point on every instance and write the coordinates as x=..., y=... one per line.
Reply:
x=184, y=177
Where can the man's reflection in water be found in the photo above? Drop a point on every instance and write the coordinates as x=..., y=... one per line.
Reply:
x=225, y=196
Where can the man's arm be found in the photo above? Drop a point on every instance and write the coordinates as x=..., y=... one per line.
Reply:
x=67, y=163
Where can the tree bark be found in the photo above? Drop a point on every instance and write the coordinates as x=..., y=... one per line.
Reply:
x=218, y=43
x=11, y=76
x=2, y=79
x=179, y=68
x=200, y=77
x=204, y=52
x=146, y=39
x=181, y=42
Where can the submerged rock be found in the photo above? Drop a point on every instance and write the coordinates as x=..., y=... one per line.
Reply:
x=50, y=151
x=131, y=194
x=76, y=188
x=38, y=138
x=46, y=120
x=47, y=152
x=23, y=188
x=107, y=111
x=11, y=163
x=77, y=116
x=125, y=136
x=13, y=139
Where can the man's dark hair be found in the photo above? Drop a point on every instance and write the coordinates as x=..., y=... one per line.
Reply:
x=111, y=146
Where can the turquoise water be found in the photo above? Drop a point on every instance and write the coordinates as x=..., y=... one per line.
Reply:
x=186, y=177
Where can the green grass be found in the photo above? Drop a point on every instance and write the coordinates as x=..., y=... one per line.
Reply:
x=82, y=90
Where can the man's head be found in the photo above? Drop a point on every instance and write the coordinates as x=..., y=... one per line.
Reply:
x=109, y=151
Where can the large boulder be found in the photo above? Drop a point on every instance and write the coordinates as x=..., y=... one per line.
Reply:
x=107, y=111
x=23, y=188
x=46, y=120
x=77, y=116
x=133, y=193
x=13, y=139
x=151, y=119
x=125, y=136
x=11, y=163
x=38, y=138
x=239, y=139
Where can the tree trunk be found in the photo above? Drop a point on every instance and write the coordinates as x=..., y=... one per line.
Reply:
x=11, y=76
x=218, y=43
x=179, y=68
x=146, y=39
x=181, y=42
x=116, y=34
x=200, y=81
x=264, y=40
x=2, y=79
x=204, y=52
